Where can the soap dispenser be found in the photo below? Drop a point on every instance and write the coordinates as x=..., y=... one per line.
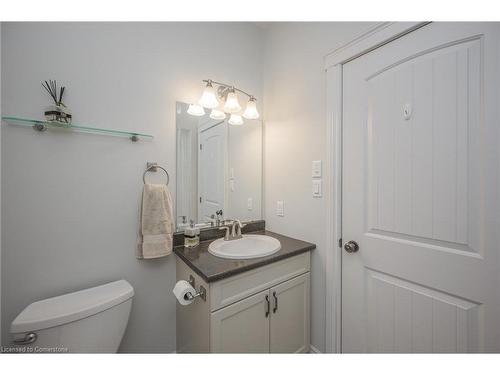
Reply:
x=183, y=224
x=191, y=235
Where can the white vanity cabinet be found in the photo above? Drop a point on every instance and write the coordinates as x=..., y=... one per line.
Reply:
x=289, y=318
x=242, y=327
x=264, y=310
x=273, y=321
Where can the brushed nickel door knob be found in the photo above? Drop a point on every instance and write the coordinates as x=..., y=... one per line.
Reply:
x=351, y=247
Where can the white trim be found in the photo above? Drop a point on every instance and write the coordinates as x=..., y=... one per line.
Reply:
x=206, y=124
x=375, y=37
x=371, y=39
x=314, y=350
x=333, y=199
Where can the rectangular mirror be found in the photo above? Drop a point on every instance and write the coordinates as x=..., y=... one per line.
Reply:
x=219, y=169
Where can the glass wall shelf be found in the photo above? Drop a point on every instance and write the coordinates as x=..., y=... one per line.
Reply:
x=42, y=125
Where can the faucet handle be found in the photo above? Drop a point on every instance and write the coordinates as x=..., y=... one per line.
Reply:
x=238, y=226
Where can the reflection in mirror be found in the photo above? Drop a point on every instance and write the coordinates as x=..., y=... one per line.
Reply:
x=219, y=170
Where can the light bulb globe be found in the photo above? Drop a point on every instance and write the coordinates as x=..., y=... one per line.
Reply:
x=235, y=120
x=232, y=104
x=195, y=110
x=251, y=112
x=217, y=115
x=209, y=97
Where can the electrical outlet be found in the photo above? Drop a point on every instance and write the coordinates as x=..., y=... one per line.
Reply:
x=280, y=208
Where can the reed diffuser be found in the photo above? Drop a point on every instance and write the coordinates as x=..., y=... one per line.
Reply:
x=57, y=113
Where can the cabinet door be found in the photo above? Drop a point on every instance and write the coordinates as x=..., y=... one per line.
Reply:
x=242, y=327
x=290, y=316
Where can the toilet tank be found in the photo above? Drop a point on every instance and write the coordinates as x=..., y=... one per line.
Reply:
x=88, y=321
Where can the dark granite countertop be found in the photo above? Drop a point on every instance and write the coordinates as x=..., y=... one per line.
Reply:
x=212, y=268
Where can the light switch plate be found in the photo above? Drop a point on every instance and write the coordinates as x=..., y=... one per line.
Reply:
x=231, y=185
x=249, y=204
x=316, y=168
x=317, y=188
x=280, y=208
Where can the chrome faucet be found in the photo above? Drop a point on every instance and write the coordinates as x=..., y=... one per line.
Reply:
x=233, y=232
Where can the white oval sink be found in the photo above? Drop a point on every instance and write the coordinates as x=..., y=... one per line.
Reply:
x=248, y=247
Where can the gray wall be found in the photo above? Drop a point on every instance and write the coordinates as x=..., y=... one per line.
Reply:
x=70, y=201
x=295, y=132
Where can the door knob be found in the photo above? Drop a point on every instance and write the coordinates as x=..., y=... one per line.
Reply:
x=351, y=247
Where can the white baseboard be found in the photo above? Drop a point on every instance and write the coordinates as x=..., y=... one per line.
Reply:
x=314, y=350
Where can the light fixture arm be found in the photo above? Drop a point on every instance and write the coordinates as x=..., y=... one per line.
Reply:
x=225, y=88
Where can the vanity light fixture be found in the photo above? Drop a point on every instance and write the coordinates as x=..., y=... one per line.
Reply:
x=217, y=115
x=222, y=99
x=235, y=120
x=196, y=110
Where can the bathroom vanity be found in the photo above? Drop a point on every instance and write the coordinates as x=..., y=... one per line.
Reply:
x=258, y=305
x=252, y=291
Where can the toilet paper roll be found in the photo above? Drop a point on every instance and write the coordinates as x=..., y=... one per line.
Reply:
x=181, y=288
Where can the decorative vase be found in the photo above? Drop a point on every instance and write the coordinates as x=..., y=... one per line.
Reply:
x=58, y=114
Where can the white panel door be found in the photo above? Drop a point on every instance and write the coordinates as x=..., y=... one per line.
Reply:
x=211, y=171
x=290, y=316
x=420, y=193
x=242, y=327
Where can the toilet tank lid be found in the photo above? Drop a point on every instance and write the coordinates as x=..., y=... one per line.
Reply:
x=71, y=307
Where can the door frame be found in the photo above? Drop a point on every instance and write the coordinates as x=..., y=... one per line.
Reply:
x=204, y=126
x=376, y=36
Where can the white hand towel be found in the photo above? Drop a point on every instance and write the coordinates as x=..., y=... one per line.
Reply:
x=157, y=224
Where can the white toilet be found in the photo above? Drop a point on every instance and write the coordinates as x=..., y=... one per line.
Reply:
x=88, y=321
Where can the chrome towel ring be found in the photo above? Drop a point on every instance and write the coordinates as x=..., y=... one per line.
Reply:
x=153, y=167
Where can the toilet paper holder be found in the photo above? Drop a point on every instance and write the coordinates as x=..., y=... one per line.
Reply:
x=201, y=293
